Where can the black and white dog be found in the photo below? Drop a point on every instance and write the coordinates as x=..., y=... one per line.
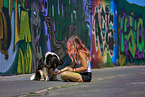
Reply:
x=48, y=64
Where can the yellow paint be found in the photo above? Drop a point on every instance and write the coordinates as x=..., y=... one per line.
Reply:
x=1, y=27
x=121, y=59
x=10, y=7
x=105, y=56
x=24, y=27
x=16, y=22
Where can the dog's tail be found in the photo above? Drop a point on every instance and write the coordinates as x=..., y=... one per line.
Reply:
x=32, y=77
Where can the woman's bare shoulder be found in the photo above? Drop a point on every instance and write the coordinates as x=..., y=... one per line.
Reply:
x=82, y=54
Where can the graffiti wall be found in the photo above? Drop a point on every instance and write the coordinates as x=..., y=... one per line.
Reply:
x=113, y=31
x=104, y=37
x=64, y=18
x=131, y=24
x=15, y=37
x=30, y=28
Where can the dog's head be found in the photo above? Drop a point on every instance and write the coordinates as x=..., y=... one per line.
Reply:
x=53, y=61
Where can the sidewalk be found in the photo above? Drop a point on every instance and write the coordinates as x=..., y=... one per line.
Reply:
x=16, y=77
x=27, y=76
x=20, y=79
x=21, y=85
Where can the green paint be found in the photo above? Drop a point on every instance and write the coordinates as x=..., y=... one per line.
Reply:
x=6, y=3
x=132, y=46
x=108, y=59
x=122, y=43
x=140, y=26
x=135, y=25
x=121, y=23
x=125, y=24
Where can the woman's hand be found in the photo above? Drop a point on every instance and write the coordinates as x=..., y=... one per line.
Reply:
x=67, y=68
x=58, y=72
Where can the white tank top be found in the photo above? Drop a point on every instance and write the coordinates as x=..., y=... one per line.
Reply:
x=88, y=63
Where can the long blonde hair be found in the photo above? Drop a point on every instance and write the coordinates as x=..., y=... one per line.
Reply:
x=78, y=46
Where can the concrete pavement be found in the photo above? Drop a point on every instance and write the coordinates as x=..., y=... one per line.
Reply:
x=99, y=75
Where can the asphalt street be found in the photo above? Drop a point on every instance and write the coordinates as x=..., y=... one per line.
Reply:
x=126, y=81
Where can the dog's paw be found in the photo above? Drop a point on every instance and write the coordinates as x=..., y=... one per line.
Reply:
x=47, y=78
x=32, y=77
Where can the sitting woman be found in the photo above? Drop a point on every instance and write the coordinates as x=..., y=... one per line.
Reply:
x=80, y=55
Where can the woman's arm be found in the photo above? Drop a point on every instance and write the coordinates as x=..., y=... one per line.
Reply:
x=64, y=69
x=84, y=63
x=80, y=69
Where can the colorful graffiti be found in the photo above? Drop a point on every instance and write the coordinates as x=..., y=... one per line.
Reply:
x=131, y=34
x=7, y=50
x=103, y=33
x=112, y=29
x=30, y=28
x=16, y=52
x=66, y=18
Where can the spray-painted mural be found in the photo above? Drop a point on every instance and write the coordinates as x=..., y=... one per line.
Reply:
x=65, y=18
x=131, y=31
x=30, y=28
x=113, y=30
x=104, y=33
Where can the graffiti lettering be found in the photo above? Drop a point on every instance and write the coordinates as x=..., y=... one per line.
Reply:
x=131, y=34
x=104, y=33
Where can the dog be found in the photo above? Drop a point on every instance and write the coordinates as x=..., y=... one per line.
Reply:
x=47, y=65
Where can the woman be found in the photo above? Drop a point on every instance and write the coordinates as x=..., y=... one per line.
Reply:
x=80, y=55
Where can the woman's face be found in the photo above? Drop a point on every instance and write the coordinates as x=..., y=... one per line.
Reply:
x=70, y=47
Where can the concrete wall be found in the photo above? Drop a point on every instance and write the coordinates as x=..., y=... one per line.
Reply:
x=30, y=28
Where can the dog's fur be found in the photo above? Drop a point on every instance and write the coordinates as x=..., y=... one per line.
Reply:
x=47, y=66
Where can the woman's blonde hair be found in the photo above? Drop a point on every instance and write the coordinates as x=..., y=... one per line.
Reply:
x=78, y=46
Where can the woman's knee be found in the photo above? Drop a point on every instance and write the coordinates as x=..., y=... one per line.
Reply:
x=72, y=76
x=64, y=74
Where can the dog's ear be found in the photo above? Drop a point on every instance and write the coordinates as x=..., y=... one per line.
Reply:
x=48, y=58
x=59, y=61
